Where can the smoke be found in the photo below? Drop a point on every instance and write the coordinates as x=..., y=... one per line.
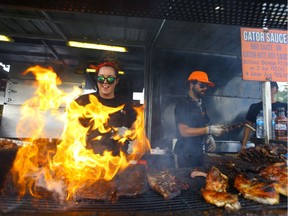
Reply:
x=57, y=188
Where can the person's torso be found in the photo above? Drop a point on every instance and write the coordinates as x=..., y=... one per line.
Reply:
x=102, y=140
x=257, y=107
x=188, y=112
x=123, y=117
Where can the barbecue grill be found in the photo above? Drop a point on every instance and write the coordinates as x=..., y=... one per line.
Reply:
x=189, y=202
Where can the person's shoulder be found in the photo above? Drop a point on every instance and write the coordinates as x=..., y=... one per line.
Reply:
x=183, y=99
x=281, y=104
x=182, y=102
x=257, y=105
x=82, y=99
x=123, y=100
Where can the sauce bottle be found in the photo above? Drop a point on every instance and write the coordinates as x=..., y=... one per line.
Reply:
x=281, y=123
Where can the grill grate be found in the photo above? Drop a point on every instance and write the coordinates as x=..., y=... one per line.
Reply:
x=150, y=201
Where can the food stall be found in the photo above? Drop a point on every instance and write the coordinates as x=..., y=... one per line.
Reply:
x=164, y=70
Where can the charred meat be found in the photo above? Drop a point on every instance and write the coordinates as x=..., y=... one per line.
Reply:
x=216, y=180
x=132, y=182
x=100, y=190
x=164, y=183
x=263, y=154
x=256, y=190
x=277, y=172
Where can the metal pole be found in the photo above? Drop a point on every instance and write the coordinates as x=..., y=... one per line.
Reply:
x=267, y=110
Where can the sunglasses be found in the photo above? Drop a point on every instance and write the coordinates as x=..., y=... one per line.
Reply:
x=109, y=80
x=203, y=85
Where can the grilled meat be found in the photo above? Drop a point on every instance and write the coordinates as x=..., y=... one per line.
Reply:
x=7, y=144
x=132, y=182
x=221, y=199
x=215, y=191
x=277, y=172
x=100, y=190
x=263, y=154
x=216, y=180
x=257, y=190
x=164, y=183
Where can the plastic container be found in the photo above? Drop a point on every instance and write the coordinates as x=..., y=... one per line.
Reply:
x=260, y=125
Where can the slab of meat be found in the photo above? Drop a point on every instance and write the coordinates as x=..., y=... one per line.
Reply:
x=100, y=190
x=132, y=182
x=165, y=183
x=216, y=180
x=277, y=172
x=215, y=191
x=221, y=199
x=256, y=190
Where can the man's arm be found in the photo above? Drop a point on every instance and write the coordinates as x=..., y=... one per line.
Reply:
x=187, y=131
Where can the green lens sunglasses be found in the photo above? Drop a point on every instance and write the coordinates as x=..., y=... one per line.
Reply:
x=101, y=79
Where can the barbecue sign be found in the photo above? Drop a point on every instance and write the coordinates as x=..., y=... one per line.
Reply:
x=264, y=55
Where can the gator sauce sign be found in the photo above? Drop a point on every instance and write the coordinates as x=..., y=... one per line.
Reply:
x=264, y=55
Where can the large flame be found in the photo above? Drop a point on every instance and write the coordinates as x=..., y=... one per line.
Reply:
x=68, y=166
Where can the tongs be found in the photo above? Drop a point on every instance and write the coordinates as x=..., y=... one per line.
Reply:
x=229, y=127
x=234, y=126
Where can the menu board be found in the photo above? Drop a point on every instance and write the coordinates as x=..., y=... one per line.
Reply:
x=264, y=55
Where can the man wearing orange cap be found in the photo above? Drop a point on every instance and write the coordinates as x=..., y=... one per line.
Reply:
x=193, y=130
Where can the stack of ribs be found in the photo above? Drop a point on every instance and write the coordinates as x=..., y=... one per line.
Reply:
x=215, y=191
x=264, y=154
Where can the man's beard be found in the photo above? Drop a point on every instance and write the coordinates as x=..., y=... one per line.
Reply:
x=199, y=94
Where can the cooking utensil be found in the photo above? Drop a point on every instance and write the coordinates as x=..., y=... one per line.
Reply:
x=234, y=126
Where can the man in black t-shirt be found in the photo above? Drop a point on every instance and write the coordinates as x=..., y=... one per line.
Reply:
x=192, y=123
x=254, y=110
x=119, y=121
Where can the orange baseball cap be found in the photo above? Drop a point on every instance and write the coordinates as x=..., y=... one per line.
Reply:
x=200, y=76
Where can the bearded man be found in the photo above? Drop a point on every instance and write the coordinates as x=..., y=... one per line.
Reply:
x=194, y=134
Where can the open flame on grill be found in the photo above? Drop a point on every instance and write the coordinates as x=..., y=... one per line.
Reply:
x=70, y=165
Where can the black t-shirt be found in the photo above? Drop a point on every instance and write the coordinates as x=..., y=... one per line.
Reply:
x=122, y=118
x=255, y=108
x=188, y=112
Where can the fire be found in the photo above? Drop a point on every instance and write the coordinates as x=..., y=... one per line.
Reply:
x=64, y=168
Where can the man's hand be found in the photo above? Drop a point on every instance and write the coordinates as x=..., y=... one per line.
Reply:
x=216, y=130
x=210, y=142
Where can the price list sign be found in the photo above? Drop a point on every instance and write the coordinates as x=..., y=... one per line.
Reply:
x=264, y=55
